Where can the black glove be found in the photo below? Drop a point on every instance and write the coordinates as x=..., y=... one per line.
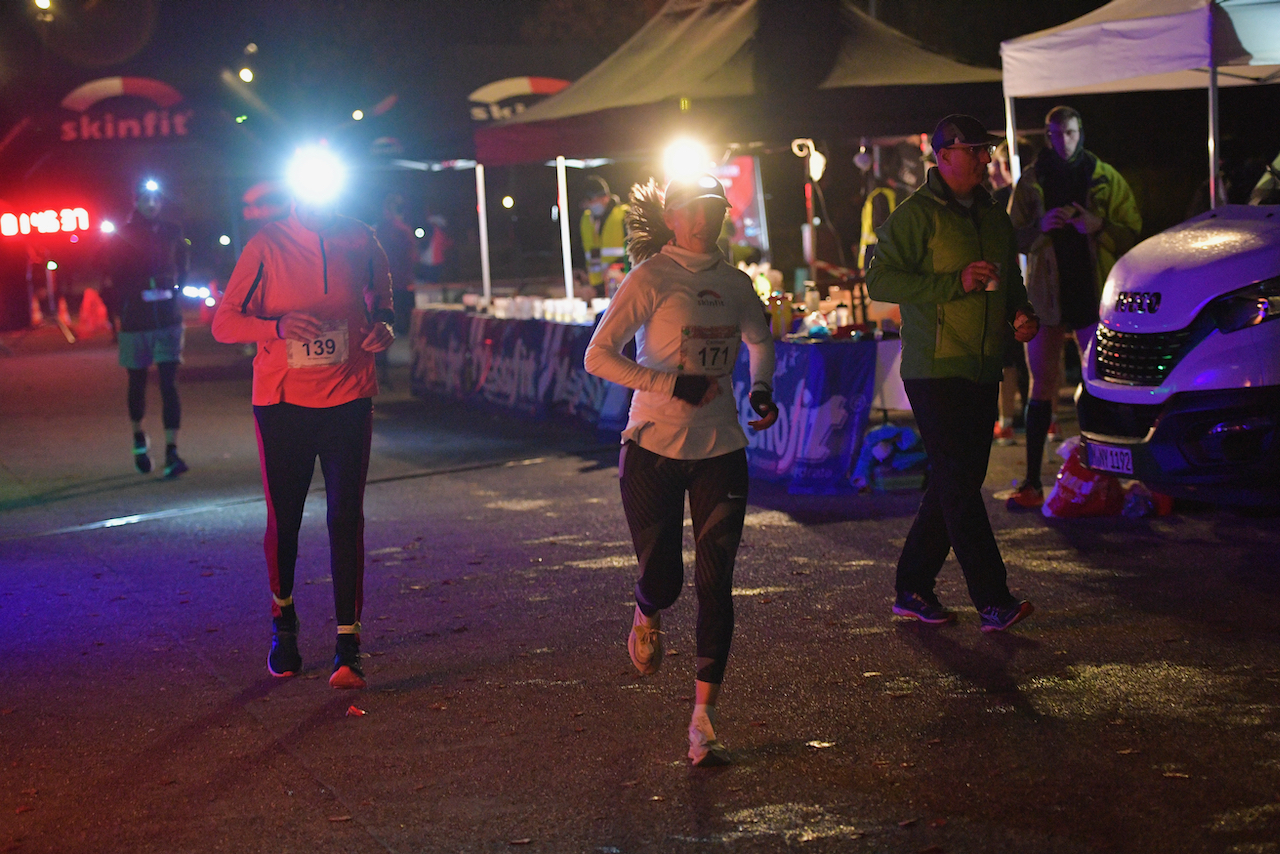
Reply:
x=762, y=403
x=691, y=388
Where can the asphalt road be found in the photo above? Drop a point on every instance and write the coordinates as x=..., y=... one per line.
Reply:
x=1136, y=711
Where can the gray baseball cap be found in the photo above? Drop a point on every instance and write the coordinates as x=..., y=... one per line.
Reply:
x=958, y=129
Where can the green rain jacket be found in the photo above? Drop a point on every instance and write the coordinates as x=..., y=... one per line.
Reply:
x=922, y=249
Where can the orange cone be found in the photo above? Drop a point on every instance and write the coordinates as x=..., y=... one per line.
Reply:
x=37, y=316
x=93, y=314
x=63, y=314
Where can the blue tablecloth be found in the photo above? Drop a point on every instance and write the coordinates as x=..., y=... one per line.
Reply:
x=534, y=367
x=824, y=393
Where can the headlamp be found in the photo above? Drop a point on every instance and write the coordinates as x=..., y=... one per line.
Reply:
x=316, y=175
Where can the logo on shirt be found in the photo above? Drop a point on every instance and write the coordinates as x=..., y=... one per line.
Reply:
x=709, y=297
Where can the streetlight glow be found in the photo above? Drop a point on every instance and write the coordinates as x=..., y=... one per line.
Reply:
x=357, y=114
x=107, y=226
x=508, y=202
x=43, y=4
x=224, y=240
x=246, y=75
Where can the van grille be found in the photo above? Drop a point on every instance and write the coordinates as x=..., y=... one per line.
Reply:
x=1136, y=358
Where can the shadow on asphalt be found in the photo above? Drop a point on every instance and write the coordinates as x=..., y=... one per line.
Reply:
x=79, y=489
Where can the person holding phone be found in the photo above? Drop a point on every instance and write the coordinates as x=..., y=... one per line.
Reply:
x=1074, y=216
x=688, y=311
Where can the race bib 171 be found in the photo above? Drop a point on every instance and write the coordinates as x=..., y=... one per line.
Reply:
x=709, y=350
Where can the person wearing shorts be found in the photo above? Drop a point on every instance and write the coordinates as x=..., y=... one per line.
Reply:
x=313, y=291
x=145, y=265
x=688, y=311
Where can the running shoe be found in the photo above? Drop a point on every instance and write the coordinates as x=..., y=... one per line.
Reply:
x=347, y=672
x=926, y=609
x=173, y=464
x=645, y=643
x=284, y=658
x=1026, y=497
x=1003, y=435
x=997, y=618
x=140, y=447
x=705, y=750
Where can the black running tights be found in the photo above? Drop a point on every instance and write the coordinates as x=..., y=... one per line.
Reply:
x=171, y=408
x=653, y=490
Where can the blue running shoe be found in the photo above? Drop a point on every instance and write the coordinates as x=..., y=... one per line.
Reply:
x=284, y=658
x=926, y=609
x=997, y=618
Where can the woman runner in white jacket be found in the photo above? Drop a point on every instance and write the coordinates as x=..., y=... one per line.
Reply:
x=688, y=311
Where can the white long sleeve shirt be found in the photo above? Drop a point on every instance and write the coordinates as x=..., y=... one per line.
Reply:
x=688, y=314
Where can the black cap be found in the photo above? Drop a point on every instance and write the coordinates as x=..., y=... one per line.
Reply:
x=957, y=129
x=596, y=187
x=682, y=191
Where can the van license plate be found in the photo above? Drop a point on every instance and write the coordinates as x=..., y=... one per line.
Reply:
x=1107, y=458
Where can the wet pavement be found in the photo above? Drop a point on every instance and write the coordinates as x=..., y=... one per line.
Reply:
x=1135, y=711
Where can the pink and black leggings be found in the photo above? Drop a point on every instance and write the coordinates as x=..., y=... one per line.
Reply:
x=289, y=440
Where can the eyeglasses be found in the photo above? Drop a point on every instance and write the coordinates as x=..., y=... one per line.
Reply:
x=975, y=150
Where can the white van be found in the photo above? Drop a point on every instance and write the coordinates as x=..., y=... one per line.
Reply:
x=1181, y=383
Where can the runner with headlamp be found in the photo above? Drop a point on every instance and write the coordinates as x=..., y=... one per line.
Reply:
x=314, y=293
x=688, y=311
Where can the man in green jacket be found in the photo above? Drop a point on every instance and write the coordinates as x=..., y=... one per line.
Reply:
x=948, y=256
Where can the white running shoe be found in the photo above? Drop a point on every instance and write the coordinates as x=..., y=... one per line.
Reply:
x=705, y=749
x=645, y=642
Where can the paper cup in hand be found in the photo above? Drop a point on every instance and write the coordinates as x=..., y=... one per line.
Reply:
x=993, y=283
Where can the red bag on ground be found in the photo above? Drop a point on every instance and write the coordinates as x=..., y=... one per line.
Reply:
x=1078, y=491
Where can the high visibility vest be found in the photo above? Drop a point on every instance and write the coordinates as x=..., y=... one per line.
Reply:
x=608, y=246
x=868, y=214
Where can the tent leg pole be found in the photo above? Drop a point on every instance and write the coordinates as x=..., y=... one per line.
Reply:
x=1214, y=201
x=562, y=185
x=482, y=212
x=1011, y=135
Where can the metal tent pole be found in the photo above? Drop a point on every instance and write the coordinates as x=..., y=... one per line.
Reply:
x=482, y=211
x=562, y=184
x=1011, y=136
x=1214, y=201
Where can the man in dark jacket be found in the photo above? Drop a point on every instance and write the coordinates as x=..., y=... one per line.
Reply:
x=948, y=256
x=145, y=264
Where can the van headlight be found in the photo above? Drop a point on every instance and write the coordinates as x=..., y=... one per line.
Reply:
x=1247, y=306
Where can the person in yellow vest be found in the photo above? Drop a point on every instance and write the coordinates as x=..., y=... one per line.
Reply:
x=604, y=235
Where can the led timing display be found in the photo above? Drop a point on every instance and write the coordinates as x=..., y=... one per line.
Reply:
x=44, y=222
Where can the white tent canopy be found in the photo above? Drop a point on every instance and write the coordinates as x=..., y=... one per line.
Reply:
x=1143, y=45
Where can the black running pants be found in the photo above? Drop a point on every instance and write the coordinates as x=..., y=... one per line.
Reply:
x=137, y=398
x=653, y=490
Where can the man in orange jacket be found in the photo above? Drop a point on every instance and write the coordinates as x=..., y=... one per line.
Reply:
x=313, y=291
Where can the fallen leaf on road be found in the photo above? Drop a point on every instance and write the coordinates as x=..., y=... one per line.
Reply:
x=871, y=673
x=524, y=841
x=673, y=652
x=820, y=745
x=1127, y=751
x=354, y=712
x=1178, y=775
x=657, y=798
x=910, y=822
x=934, y=741
x=337, y=818
x=630, y=784
x=24, y=808
x=439, y=707
x=759, y=723
x=29, y=792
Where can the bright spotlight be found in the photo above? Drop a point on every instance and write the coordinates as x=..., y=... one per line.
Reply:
x=107, y=227
x=357, y=114
x=316, y=175
x=508, y=202
x=190, y=291
x=419, y=232
x=210, y=301
x=685, y=158
x=224, y=240
x=246, y=74
x=43, y=4
x=51, y=265
x=151, y=185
